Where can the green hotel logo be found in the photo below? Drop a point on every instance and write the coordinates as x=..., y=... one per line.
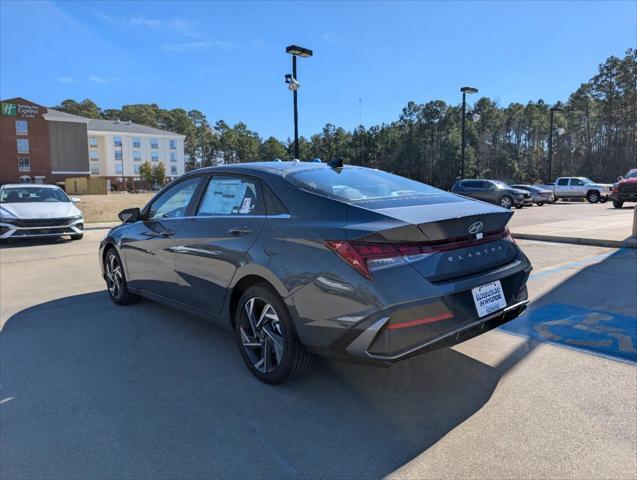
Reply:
x=8, y=109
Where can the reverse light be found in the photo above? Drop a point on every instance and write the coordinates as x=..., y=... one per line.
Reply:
x=369, y=257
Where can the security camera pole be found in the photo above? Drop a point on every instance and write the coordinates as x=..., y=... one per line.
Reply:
x=294, y=85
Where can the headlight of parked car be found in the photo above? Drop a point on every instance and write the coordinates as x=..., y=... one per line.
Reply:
x=6, y=216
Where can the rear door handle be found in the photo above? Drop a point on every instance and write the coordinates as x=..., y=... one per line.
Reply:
x=238, y=231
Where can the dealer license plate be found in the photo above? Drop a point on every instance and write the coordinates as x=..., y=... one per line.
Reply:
x=489, y=298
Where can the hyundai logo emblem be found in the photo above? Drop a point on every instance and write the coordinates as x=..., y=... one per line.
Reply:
x=475, y=227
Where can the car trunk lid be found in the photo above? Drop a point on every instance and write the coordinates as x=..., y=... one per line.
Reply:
x=455, y=236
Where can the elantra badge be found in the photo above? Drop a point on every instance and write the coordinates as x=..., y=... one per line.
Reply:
x=475, y=228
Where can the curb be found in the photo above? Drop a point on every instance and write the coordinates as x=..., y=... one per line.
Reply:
x=595, y=242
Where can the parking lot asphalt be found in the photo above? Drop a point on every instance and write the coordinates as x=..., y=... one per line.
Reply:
x=597, y=224
x=92, y=390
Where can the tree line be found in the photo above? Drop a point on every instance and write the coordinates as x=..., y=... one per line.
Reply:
x=595, y=135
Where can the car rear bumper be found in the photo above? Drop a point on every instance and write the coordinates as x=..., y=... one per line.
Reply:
x=12, y=231
x=361, y=347
x=412, y=327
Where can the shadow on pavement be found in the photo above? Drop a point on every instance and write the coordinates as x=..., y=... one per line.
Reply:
x=92, y=390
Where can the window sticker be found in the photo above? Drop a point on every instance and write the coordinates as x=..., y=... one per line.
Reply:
x=224, y=197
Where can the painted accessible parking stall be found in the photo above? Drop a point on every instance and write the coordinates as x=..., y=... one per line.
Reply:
x=598, y=332
x=592, y=308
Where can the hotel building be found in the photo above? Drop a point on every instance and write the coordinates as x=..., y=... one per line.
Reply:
x=43, y=145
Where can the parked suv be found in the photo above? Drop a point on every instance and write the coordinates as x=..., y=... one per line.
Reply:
x=625, y=190
x=493, y=191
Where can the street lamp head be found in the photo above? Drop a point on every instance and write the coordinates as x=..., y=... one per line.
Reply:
x=298, y=51
x=469, y=90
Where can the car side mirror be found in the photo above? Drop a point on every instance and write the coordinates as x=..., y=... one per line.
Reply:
x=130, y=215
x=76, y=200
x=620, y=178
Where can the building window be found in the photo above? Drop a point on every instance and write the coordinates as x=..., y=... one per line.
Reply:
x=118, y=155
x=119, y=168
x=92, y=154
x=136, y=168
x=92, y=141
x=137, y=142
x=137, y=155
x=117, y=141
x=173, y=144
x=23, y=145
x=154, y=143
x=24, y=164
x=173, y=156
x=154, y=156
x=21, y=127
x=173, y=169
x=95, y=168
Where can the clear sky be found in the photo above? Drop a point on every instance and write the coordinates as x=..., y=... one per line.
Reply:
x=228, y=59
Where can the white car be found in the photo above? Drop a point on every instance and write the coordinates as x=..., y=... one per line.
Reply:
x=35, y=211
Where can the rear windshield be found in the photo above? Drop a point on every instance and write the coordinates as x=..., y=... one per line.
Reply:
x=32, y=195
x=360, y=185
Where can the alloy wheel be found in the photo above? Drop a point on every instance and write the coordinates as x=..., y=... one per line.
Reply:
x=506, y=202
x=262, y=335
x=114, y=278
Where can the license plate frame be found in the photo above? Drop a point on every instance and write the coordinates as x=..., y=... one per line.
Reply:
x=488, y=298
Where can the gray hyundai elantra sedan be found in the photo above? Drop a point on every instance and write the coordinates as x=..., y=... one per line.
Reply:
x=302, y=258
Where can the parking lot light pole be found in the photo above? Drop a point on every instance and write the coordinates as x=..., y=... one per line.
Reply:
x=294, y=85
x=553, y=110
x=464, y=91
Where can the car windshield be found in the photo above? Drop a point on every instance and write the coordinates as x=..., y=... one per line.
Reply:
x=632, y=174
x=587, y=181
x=501, y=184
x=32, y=195
x=358, y=185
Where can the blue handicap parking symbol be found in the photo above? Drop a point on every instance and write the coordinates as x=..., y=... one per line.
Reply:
x=602, y=333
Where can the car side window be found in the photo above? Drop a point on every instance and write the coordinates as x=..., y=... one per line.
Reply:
x=576, y=182
x=562, y=182
x=174, y=202
x=470, y=184
x=231, y=195
x=485, y=185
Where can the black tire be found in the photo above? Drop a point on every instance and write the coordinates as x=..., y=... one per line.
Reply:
x=518, y=206
x=539, y=204
x=618, y=204
x=593, y=196
x=77, y=237
x=506, y=201
x=120, y=295
x=603, y=199
x=258, y=346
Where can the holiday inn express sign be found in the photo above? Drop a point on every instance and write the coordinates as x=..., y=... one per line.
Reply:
x=8, y=109
x=18, y=110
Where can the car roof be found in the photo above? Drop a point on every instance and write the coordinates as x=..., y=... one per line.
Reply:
x=277, y=168
x=29, y=185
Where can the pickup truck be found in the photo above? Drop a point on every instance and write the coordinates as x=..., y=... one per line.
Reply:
x=580, y=187
x=625, y=190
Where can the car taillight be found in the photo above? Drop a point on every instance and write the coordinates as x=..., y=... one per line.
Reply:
x=615, y=189
x=369, y=257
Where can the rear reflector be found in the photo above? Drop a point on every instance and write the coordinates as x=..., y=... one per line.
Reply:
x=422, y=321
x=368, y=257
